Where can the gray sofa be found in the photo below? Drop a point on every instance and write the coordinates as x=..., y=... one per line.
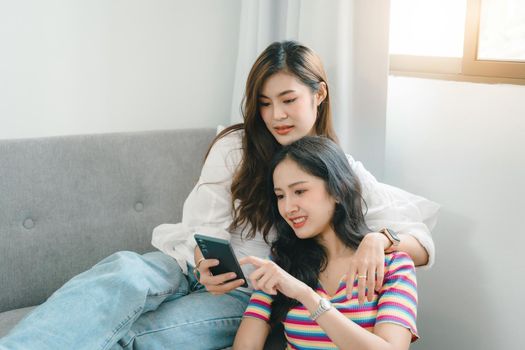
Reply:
x=67, y=202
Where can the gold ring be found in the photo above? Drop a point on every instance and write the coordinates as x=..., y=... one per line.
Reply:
x=199, y=262
x=361, y=276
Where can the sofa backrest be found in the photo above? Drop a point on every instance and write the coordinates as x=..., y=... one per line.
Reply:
x=67, y=202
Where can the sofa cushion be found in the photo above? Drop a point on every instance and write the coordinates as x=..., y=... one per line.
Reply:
x=67, y=202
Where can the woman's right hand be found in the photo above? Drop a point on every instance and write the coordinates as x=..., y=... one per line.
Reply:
x=270, y=278
x=219, y=284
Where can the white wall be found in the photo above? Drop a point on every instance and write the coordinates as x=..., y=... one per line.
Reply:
x=79, y=66
x=463, y=145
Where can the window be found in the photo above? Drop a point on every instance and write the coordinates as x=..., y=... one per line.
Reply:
x=466, y=40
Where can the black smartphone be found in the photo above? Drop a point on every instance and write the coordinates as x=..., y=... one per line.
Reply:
x=221, y=249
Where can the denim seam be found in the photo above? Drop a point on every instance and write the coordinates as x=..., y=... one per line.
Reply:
x=163, y=293
x=174, y=292
x=140, y=334
x=120, y=326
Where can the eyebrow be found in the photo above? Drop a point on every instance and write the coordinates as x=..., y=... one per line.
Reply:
x=280, y=94
x=291, y=185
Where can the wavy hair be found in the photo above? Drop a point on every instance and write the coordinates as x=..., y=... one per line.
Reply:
x=250, y=202
x=305, y=259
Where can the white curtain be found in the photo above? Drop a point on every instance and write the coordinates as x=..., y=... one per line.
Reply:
x=351, y=36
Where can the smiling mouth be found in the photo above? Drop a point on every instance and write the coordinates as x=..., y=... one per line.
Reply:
x=283, y=130
x=298, y=222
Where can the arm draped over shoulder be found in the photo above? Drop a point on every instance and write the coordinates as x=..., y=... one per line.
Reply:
x=208, y=210
x=392, y=207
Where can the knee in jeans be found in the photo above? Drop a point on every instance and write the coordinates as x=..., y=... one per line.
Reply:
x=124, y=263
x=123, y=257
x=135, y=270
x=134, y=264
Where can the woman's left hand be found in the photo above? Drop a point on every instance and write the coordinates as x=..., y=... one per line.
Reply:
x=270, y=277
x=368, y=265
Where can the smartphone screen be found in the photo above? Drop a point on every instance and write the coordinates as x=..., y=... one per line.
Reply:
x=220, y=249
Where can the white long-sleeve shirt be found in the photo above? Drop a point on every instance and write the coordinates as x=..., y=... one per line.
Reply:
x=208, y=210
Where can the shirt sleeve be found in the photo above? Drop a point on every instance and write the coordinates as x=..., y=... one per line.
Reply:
x=401, y=211
x=207, y=209
x=398, y=297
x=260, y=306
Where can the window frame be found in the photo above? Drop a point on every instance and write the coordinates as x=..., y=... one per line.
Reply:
x=467, y=68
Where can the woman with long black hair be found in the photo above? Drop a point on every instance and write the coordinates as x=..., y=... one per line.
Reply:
x=318, y=216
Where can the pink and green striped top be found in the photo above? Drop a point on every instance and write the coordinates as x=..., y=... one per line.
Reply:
x=396, y=303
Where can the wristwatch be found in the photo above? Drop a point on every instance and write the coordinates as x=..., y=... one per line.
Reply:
x=324, y=305
x=392, y=237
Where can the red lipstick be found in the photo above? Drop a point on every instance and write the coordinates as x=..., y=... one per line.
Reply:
x=298, y=224
x=283, y=130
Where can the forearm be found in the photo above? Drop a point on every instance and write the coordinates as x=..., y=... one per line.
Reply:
x=410, y=245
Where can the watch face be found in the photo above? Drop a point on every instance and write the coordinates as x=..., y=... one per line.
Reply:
x=325, y=304
x=393, y=234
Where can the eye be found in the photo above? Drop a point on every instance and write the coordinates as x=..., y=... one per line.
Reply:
x=299, y=192
x=279, y=196
x=290, y=100
x=264, y=104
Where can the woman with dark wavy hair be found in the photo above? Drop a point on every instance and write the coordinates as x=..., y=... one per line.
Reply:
x=318, y=215
x=150, y=301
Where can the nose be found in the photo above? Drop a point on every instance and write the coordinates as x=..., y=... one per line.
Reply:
x=278, y=113
x=290, y=207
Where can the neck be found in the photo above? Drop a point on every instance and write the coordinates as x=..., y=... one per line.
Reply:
x=335, y=248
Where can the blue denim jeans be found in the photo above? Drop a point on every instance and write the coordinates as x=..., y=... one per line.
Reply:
x=131, y=301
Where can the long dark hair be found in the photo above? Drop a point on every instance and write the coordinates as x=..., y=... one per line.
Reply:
x=250, y=202
x=306, y=258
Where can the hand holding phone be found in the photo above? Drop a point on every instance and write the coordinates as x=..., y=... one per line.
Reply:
x=220, y=249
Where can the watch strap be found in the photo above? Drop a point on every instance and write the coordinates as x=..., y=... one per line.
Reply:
x=324, y=305
x=392, y=237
